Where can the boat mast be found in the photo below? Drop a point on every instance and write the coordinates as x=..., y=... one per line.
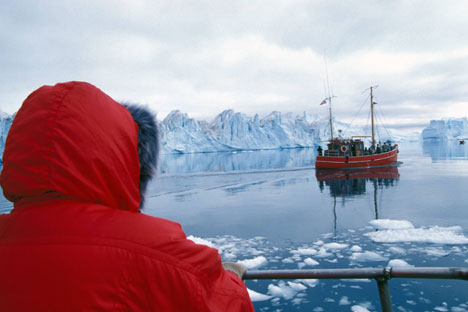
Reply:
x=329, y=100
x=372, y=114
x=331, y=119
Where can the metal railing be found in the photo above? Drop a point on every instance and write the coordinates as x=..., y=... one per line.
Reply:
x=381, y=275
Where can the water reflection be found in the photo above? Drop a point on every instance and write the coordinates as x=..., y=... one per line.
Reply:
x=442, y=150
x=344, y=183
x=351, y=182
x=232, y=161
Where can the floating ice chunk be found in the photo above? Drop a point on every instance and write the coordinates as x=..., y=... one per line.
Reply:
x=356, y=248
x=443, y=308
x=311, y=262
x=399, y=263
x=397, y=250
x=358, y=308
x=436, y=252
x=323, y=253
x=391, y=224
x=367, y=256
x=335, y=246
x=309, y=282
x=297, y=286
x=201, y=241
x=282, y=290
x=256, y=296
x=253, y=263
x=305, y=251
x=344, y=301
x=435, y=234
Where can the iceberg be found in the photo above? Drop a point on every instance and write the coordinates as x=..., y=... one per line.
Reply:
x=5, y=124
x=233, y=131
x=446, y=129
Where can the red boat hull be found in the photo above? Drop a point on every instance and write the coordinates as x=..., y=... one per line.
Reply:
x=382, y=159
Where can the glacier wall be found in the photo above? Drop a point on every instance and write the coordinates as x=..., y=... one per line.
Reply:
x=231, y=131
x=446, y=129
x=5, y=124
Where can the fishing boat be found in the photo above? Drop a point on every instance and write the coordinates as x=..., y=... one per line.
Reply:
x=344, y=153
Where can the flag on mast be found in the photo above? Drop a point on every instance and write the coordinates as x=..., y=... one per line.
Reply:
x=324, y=102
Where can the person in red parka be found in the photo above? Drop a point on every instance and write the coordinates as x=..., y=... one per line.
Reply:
x=76, y=165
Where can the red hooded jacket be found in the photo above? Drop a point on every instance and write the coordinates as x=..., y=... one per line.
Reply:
x=75, y=240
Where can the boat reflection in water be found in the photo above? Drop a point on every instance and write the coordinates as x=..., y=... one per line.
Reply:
x=345, y=183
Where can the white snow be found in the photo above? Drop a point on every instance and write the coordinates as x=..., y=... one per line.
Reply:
x=256, y=296
x=253, y=263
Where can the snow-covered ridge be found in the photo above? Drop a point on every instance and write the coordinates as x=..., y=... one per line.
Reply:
x=446, y=129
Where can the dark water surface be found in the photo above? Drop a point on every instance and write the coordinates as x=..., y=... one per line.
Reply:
x=273, y=209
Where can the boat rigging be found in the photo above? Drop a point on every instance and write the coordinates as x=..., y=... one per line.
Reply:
x=351, y=153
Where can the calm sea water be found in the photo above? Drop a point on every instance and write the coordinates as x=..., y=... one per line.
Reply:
x=273, y=209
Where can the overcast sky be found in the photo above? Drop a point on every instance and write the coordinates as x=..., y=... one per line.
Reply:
x=203, y=57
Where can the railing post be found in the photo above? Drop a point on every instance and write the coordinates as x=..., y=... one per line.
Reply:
x=384, y=291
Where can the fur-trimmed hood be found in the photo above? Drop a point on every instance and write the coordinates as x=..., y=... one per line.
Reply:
x=148, y=145
x=72, y=141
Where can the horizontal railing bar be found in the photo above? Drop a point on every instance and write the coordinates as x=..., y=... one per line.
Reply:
x=362, y=273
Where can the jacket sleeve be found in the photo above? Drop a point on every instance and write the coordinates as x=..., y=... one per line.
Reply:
x=220, y=290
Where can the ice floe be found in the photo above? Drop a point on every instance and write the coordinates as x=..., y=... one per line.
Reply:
x=311, y=262
x=434, y=234
x=256, y=296
x=358, y=308
x=253, y=263
x=367, y=256
x=391, y=224
x=393, y=243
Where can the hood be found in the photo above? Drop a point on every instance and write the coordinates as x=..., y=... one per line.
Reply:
x=72, y=141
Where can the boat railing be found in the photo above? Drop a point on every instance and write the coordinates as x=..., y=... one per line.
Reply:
x=381, y=275
x=338, y=153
